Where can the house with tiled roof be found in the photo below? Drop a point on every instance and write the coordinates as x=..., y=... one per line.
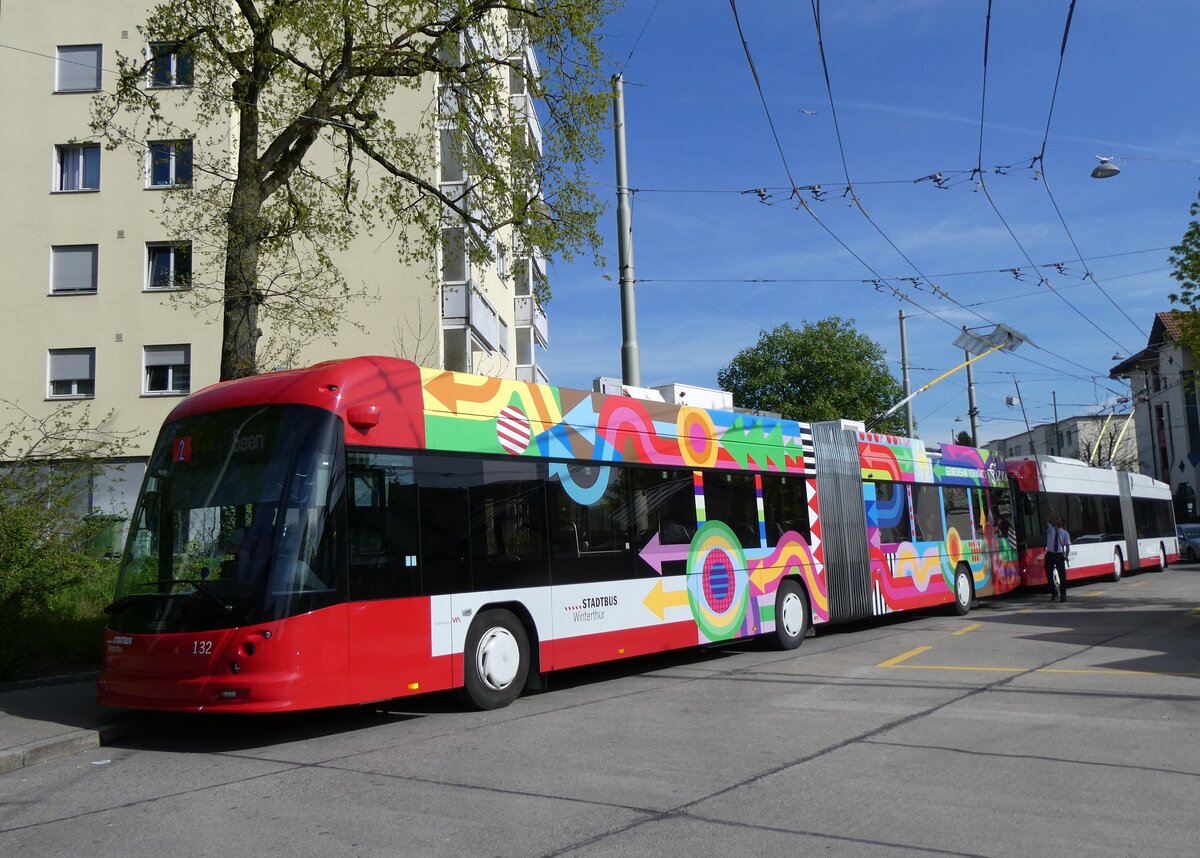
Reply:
x=1162, y=384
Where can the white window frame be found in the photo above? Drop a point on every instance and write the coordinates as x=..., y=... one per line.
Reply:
x=171, y=51
x=64, y=153
x=89, y=380
x=173, y=250
x=59, y=256
x=77, y=67
x=175, y=146
x=153, y=357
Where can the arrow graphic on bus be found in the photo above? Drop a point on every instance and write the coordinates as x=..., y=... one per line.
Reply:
x=656, y=554
x=450, y=390
x=659, y=599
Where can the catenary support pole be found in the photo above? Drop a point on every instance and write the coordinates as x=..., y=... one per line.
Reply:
x=908, y=415
x=631, y=370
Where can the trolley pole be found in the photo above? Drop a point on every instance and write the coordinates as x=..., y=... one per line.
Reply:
x=631, y=370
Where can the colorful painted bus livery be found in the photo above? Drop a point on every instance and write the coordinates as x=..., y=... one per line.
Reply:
x=366, y=529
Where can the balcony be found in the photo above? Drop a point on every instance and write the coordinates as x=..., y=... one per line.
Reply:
x=528, y=313
x=532, y=374
x=463, y=305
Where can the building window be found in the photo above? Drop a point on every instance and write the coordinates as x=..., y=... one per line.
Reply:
x=168, y=369
x=524, y=337
x=169, y=163
x=503, y=337
x=72, y=373
x=452, y=165
x=73, y=269
x=78, y=167
x=77, y=68
x=170, y=65
x=168, y=265
x=454, y=256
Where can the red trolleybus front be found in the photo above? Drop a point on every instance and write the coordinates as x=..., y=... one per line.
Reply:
x=230, y=593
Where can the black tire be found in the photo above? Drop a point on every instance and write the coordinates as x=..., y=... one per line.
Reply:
x=1191, y=554
x=964, y=591
x=495, y=660
x=1162, y=558
x=1118, y=566
x=791, y=614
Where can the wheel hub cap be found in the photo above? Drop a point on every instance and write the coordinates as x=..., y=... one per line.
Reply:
x=498, y=658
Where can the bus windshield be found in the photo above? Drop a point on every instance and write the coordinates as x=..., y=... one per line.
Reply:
x=235, y=522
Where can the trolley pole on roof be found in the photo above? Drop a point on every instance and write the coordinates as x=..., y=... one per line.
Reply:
x=631, y=370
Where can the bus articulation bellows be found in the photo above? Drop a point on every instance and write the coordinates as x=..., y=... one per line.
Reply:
x=367, y=529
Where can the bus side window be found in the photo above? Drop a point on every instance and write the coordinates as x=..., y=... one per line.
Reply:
x=927, y=501
x=382, y=525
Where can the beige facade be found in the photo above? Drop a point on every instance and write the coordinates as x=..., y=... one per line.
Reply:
x=83, y=248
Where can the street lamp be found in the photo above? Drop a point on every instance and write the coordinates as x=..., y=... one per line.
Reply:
x=1106, y=169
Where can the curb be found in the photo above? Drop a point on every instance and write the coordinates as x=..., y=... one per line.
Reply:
x=56, y=747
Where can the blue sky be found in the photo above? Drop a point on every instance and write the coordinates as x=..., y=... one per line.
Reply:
x=907, y=82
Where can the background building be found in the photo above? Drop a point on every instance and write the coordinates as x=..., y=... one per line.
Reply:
x=1162, y=382
x=92, y=279
x=1089, y=438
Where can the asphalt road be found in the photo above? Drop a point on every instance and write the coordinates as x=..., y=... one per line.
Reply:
x=1025, y=728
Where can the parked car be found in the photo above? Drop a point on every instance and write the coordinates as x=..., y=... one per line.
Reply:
x=1189, y=540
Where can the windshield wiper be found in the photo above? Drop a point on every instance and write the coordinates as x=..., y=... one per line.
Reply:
x=121, y=604
x=202, y=588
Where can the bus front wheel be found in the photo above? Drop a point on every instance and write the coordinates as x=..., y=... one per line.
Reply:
x=495, y=660
x=791, y=614
x=964, y=591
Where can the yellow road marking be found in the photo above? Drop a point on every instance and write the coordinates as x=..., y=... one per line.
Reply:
x=969, y=628
x=894, y=662
x=1138, y=584
x=1194, y=611
x=1025, y=611
x=1094, y=594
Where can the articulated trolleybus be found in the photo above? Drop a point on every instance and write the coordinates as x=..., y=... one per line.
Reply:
x=1118, y=521
x=367, y=529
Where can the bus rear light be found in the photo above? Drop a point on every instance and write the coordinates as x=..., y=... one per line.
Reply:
x=413, y=686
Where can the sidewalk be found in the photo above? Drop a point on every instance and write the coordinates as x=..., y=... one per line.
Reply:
x=53, y=718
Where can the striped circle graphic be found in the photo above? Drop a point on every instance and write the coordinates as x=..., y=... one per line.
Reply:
x=512, y=430
x=718, y=583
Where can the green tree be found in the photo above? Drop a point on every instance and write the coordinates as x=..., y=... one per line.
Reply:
x=306, y=92
x=963, y=438
x=1185, y=259
x=45, y=529
x=823, y=371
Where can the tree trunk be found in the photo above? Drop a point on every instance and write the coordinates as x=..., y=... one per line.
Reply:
x=240, y=333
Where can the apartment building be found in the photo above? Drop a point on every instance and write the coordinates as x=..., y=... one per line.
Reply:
x=93, y=281
x=1103, y=440
x=1162, y=382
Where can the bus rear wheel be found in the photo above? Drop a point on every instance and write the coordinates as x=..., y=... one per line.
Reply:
x=964, y=590
x=1162, y=557
x=1118, y=566
x=495, y=660
x=791, y=614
